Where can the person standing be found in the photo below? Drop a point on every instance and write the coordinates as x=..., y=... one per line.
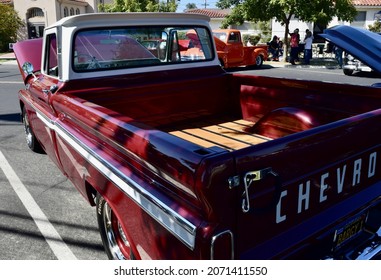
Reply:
x=308, y=47
x=339, y=56
x=294, y=43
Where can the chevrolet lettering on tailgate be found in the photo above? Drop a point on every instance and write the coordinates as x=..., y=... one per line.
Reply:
x=338, y=180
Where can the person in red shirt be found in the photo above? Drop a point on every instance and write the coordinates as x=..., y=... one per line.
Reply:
x=294, y=43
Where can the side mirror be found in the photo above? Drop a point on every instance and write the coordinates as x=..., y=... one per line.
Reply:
x=28, y=69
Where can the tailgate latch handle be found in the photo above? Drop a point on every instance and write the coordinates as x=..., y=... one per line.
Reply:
x=248, y=179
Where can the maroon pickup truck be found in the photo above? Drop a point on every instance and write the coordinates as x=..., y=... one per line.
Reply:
x=185, y=161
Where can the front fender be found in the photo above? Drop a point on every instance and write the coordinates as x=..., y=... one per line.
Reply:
x=222, y=57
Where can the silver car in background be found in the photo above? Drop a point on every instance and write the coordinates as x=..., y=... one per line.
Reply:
x=351, y=64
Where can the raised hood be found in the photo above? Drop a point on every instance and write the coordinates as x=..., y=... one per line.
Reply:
x=28, y=51
x=360, y=43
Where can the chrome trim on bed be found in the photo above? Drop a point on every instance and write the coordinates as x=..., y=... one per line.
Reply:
x=179, y=226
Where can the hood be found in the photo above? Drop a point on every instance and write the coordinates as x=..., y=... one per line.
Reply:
x=28, y=51
x=360, y=43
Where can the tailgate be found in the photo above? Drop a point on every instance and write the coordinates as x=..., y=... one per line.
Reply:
x=310, y=194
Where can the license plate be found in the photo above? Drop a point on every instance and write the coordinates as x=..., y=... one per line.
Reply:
x=349, y=231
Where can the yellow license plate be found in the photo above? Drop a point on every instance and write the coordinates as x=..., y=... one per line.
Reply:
x=348, y=231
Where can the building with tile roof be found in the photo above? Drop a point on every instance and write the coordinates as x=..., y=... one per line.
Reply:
x=368, y=12
x=212, y=13
x=366, y=2
x=37, y=14
x=216, y=15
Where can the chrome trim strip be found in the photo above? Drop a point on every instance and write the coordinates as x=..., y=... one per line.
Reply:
x=183, y=229
x=215, y=237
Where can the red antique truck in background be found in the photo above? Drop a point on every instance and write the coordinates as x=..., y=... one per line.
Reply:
x=185, y=161
x=232, y=52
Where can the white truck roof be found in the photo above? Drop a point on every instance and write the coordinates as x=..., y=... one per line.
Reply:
x=113, y=19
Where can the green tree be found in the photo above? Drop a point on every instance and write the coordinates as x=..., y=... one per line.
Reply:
x=140, y=6
x=375, y=27
x=320, y=11
x=190, y=6
x=10, y=23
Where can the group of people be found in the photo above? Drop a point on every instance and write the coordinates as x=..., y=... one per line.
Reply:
x=295, y=48
x=275, y=47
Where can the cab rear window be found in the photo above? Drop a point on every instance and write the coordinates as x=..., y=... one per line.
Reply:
x=107, y=49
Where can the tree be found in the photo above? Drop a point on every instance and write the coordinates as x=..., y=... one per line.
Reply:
x=140, y=6
x=375, y=27
x=10, y=23
x=320, y=11
x=190, y=6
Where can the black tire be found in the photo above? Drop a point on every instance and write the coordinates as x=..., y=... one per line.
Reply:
x=259, y=61
x=348, y=72
x=115, y=241
x=31, y=139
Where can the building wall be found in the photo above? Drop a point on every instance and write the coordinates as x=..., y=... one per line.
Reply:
x=38, y=14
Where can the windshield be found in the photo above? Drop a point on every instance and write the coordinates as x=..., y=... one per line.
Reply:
x=107, y=49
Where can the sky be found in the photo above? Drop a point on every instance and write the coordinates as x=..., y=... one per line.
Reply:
x=199, y=3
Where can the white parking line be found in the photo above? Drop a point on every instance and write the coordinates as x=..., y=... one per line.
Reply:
x=52, y=237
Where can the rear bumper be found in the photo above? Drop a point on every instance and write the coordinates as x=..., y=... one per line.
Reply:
x=370, y=251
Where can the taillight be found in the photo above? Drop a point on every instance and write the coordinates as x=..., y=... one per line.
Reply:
x=222, y=247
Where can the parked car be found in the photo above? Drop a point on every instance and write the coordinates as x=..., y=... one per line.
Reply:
x=357, y=43
x=233, y=53
x=351, y=64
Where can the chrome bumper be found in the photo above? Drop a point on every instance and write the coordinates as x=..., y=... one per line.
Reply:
x=373, y=250
x=370, y=252
x=356, y=67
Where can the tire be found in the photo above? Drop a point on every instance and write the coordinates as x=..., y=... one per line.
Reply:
x=31, y=139
x=348, y=72
x=115, y=241
x=259, y=61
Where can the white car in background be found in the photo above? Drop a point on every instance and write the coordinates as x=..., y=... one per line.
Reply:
x=358, y=43
x=351, y=64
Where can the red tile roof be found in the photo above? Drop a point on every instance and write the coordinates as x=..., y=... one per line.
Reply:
x=6, y=1
x=366, y=2
x=218, y=13
x=212, y=13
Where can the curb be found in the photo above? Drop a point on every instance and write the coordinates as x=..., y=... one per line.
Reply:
x=328, y=63
x=7, y=56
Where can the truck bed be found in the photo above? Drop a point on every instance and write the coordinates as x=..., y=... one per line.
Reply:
x=229, y=134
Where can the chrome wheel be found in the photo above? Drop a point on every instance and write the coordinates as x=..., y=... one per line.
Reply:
x=113, y=236
x=31, y=140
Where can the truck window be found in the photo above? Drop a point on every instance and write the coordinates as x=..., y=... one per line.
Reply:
x=108, y=49
x=51, y=61
x=234, y=37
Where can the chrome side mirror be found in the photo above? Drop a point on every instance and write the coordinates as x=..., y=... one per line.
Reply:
x=28, y=69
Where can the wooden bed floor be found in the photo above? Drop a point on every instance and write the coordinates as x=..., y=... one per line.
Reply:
x=230, y=135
